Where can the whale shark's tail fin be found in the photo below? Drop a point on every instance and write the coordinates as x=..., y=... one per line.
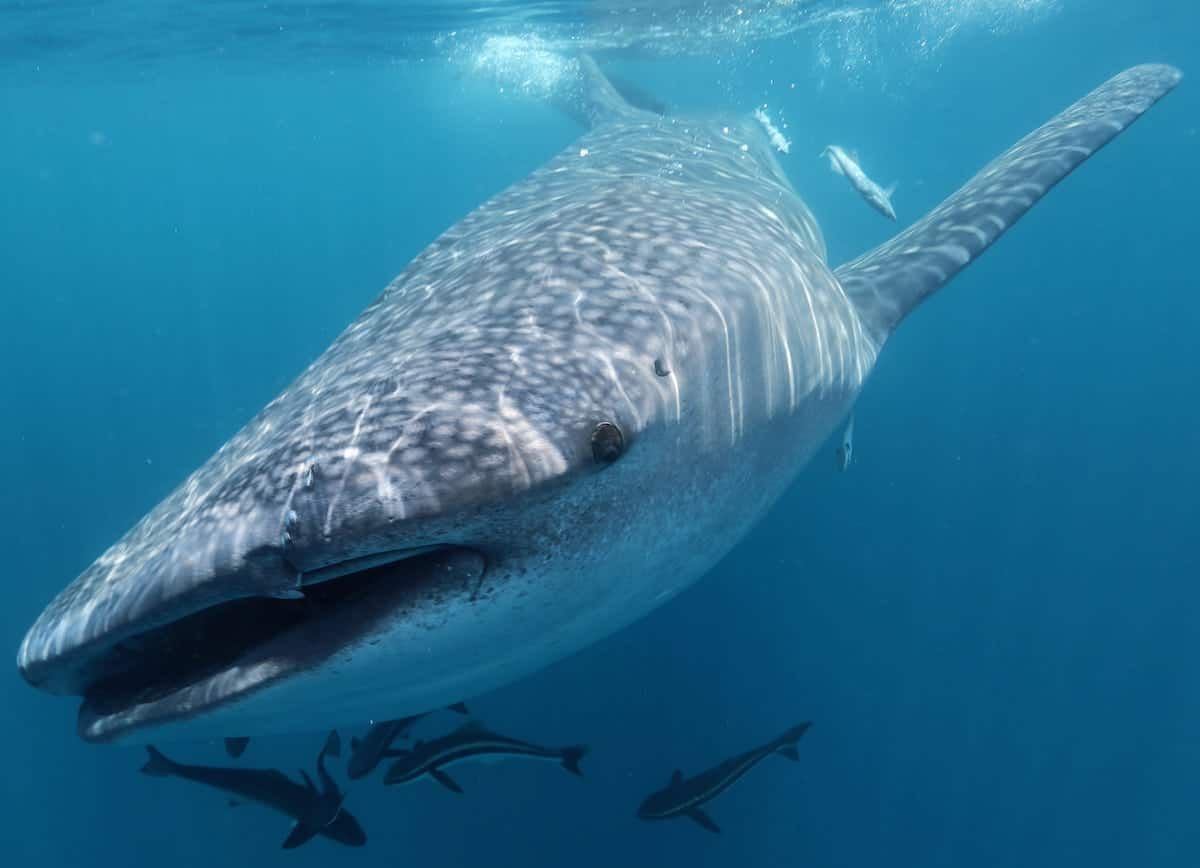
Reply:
x=889, y=281
x=592, y=99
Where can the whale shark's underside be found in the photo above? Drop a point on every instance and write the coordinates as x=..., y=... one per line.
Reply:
x=562, y=413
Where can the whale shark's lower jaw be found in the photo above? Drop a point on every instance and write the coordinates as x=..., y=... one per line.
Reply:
x=227, y=651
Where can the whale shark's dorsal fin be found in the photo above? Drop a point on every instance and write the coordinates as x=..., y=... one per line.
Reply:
x=592, y=100
x=889, y=281
x=638, y=96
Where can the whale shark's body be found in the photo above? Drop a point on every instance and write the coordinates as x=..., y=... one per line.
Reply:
x=561, y=414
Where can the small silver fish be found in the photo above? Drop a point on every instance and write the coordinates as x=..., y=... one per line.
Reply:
x=845, y=450
x=877, y=197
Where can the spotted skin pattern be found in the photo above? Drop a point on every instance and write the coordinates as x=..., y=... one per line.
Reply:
x=459, y=408
x=481, y=370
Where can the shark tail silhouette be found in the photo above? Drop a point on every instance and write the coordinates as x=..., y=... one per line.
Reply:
x=889, y=281
x=300, y=834
x=785, y=745
x=571, y=757
x=235, y=747
x=157, y=765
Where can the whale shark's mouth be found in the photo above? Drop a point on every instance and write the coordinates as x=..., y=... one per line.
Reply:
x=227, y=651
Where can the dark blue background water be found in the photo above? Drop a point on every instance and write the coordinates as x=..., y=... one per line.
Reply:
x=991, y=619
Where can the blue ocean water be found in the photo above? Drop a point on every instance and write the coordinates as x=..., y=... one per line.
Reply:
x=990, y=619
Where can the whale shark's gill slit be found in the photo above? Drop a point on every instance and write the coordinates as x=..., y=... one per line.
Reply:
x=152, y=665
x=360, y=564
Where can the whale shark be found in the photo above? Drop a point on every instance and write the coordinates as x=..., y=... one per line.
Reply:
x=560, y=415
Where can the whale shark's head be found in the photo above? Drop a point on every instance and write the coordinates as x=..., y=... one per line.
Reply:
x=444, y=459
x=478, y=467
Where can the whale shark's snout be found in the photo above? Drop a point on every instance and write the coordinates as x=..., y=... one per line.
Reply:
x=188, y=554
x=308, y=535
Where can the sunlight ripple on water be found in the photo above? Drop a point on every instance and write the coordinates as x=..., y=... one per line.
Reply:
x=372, y=30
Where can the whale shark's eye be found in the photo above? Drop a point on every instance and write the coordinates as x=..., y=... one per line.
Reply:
x=607, y=443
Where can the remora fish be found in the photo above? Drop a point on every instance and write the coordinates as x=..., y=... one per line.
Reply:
x=308, y=806
x=682, y=797
x=469, y=483
x=877, y=197
x=473, y=742
x=326, y=805
x=376, y=743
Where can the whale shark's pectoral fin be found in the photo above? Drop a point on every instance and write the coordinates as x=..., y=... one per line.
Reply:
x=889, y=281
x=300, y=834
x=446, y=781
x=704, y=820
